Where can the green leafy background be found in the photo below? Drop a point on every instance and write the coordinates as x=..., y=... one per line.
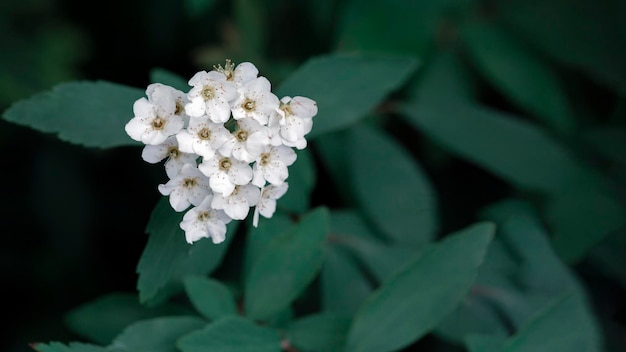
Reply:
x=463, y=190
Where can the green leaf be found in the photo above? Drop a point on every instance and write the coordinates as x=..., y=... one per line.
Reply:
x=92, y=114
x=232, y=334
x=521, y=274
x=288, y=264
x=581, y=219
x=349, y=230
x=72, y=347
x=608, y=141
x=319, y=333
x=163, y=76
x=156, y=335
x=399, y=26
x=301, y=181
x=414, y=300
x=509, y=147
x=443, y=81
x=259, y=238
x=334, y=158
x=608, y=256
x=210, y=297
x=167, y=258
x=343, y=282
x=413, y=218
x=343, y=86
x=581, y=34
x=102, y=319
x=562, y=326
x=484, y=343
x=520, y=75
x=195, y=8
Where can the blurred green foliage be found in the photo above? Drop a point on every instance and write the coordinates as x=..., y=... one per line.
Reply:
x=434, y=115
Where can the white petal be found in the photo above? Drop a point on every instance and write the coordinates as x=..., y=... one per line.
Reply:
x=221, y=183
x=218, y=111
x=196, y=108
x=217, y=230
x=284, y=154
x=245, y=72
x=240, y=173
x=136, y=129
x=154, y=153
x=275, y=172
x=178, y=200
x=142, y=107
x=185, y=141
x=268, y=208
x=303, y=107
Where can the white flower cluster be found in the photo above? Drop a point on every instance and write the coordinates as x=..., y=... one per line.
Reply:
x=228, y=143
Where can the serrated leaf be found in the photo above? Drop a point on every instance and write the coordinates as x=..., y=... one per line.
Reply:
x=102, y=319
x=232, y=334
x=342, y=86
x=92, y=114
x=414, y=300
x=289, y=263
x=167, y=258
x=518, y=74
x=210, y=297
x=156, y=335
x=413, y=218
x=562, y=326
x=509, y=147
x=319, y=333
x=72, y=347
x=161, y=75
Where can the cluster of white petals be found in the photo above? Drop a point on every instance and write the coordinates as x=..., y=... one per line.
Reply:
x=227, y=145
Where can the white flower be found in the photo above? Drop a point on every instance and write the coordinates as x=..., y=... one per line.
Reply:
x=292, y=121
x=190, y=186
x=211, y=95
x=202, y=137
x=247, y=142
x=155, y=118
x=272, y=166
x=161, y=92
x=267, y=203
x=256, y=101
x=224, y=173
x=238, y=203
x=204, y=221
x=242, y=74
x=168, y=149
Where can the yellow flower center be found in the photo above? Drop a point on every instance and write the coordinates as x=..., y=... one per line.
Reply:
x=248, y=105
x=204, y=134
x=158, y=123
x=189, y=182
x=208, y=92
x=225, y=164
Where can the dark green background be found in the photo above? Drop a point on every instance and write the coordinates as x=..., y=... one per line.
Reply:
x=73, y=219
